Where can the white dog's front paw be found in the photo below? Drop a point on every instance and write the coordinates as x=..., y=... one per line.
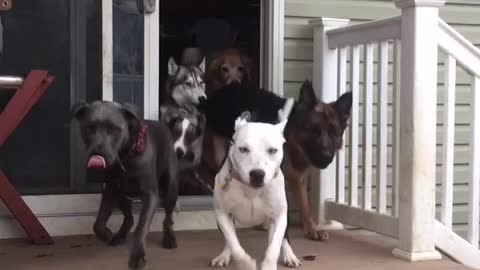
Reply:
x=290, y=260
x=221, y=260
x=269, y=265
x=246, y=263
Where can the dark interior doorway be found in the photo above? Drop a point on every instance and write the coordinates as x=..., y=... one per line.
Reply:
x=210, y=25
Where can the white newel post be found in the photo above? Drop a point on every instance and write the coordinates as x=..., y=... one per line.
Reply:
x=418, y=129
x=325, y=61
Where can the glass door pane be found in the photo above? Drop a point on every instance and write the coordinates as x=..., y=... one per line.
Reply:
x=128, y=44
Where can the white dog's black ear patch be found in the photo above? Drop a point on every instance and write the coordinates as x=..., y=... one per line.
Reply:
x=246, y=115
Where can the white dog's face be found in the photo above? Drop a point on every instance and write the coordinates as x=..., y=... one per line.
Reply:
x=257, y=151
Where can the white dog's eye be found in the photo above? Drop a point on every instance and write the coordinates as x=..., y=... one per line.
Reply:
x=272, y=150
x=243, y=150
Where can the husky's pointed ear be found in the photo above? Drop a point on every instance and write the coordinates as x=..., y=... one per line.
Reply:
x=201, y=66
x=172, y=67
x=242, y=119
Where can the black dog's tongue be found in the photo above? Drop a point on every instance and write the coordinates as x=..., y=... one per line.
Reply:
x=97, y=162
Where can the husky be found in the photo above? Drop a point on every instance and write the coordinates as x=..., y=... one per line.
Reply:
x=185, y=85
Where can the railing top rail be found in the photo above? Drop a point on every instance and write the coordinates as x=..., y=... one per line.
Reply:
x=459, y=47
x=365, y=32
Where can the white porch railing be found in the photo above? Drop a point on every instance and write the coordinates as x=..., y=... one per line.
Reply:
x=363, y=188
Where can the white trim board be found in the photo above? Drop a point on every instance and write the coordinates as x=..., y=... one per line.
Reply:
x=75, y=215
x=273, y=21
x=62, y=225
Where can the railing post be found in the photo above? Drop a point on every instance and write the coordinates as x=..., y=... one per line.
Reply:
x=325, y=75
x=418, y=129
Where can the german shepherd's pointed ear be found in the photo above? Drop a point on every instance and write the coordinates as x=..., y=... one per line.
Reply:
x=79, y=109
x=307, y=96
x=343, y=106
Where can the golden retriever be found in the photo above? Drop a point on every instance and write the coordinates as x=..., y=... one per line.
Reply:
x=226, y=67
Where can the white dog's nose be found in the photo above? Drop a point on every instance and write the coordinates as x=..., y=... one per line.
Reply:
x=256, y=177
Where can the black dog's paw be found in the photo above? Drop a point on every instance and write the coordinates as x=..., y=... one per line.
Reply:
x=169, y=241
x=137, y=259
x=118, y=239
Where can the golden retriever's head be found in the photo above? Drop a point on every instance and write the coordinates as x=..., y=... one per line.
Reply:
x=227, y=67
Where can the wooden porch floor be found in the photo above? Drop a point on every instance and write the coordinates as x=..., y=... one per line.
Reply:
x=345, y=250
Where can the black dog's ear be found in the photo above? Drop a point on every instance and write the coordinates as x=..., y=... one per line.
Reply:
x=79, y=109
x=343, y=106
x=307, y=95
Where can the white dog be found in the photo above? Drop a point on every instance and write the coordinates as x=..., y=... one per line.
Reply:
x=250, y=189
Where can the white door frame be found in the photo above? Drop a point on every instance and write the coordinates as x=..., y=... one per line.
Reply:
x=107, y=50
x=75, y=213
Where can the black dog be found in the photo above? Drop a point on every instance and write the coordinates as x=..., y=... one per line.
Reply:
x=137, y=159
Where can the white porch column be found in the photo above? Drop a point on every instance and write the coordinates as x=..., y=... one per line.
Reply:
x=418, y=129
x=325, y=62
